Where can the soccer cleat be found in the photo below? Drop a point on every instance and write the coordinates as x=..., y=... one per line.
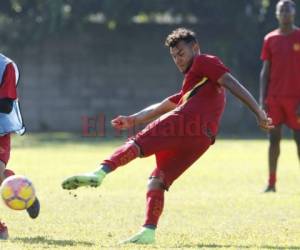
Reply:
x=3, y=231
x=270, y=189
x=34, y=210
x=93, y=179
x=145, y=236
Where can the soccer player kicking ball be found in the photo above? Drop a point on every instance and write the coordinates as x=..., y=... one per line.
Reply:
x=280, y=82
x=170, y=138
x=10, y=122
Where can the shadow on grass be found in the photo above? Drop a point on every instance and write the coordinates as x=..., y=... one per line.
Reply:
x=199, y=246
x=51, y=242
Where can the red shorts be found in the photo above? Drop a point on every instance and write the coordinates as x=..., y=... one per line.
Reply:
x=175, y=144
x=5, y=148
x=283, y=111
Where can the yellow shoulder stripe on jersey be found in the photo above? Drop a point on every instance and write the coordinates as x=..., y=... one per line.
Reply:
x=187, y=94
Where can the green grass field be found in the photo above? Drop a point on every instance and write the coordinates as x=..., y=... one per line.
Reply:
x=217, y=204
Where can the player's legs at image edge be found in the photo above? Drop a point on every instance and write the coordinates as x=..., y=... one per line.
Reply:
x=3, y=227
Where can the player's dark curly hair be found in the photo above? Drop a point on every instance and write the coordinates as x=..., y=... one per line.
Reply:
x=286, y=1
x=180, y=34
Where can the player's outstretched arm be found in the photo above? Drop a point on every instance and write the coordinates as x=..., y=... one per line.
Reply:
x=148, y=114
x=263, y=82
x=238, y=90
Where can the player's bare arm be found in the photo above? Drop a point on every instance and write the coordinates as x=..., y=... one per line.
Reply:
x=238, y=90
x=263, y=82
x=146, y=115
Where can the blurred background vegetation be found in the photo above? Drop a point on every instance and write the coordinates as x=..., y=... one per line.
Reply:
x=231, y=29
x=26, y=21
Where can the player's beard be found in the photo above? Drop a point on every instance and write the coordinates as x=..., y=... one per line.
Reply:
x=189, y=66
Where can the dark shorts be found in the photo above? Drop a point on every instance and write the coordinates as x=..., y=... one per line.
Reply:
x=283, y=111
x=177, y=141
x=5, y=148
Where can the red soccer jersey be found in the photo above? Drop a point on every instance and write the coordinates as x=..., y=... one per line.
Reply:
x=8, y=88
x=283, y=53
x=201, y=95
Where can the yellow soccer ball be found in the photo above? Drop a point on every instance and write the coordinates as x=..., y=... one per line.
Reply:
x=17, y=192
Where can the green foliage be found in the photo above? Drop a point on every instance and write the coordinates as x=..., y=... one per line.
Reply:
x=29, y=20
x=233, y=27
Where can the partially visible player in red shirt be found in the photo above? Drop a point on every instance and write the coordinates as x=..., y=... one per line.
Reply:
x=280, y=82
x=184, y=126
x=8, y=94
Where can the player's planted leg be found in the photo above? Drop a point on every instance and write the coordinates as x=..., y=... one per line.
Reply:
x=154, y=208
x=124, y=154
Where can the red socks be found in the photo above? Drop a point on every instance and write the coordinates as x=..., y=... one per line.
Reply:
x=8, y=172
x=272, y=179
x=155, y=205
x=122, y=156
x=155, y=198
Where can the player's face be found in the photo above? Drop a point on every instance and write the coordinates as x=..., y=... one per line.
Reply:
x=285, y=13
x=183, y=54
